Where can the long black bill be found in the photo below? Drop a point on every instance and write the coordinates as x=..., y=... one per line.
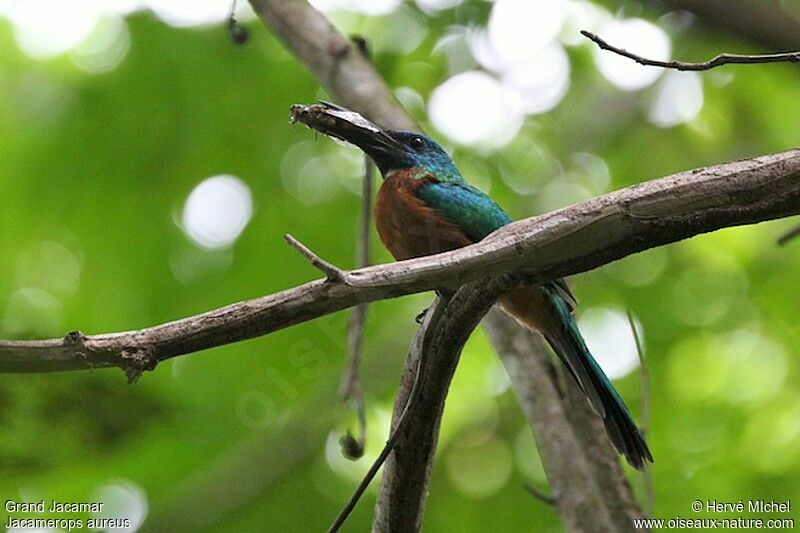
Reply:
x=336, y=121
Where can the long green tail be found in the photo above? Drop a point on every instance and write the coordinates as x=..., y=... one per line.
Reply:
x=570, y=347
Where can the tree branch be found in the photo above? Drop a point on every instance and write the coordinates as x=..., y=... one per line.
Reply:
x=410, y=392
x=332, y=272
x=404, y=485
x=580, y=488
x=721, y=59
x=571, y=240
x=339, y=66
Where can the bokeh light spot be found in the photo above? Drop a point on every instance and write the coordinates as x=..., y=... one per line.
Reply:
x=479, y=464
x=639, y=270
x=610, y=339
x=366, y=7
x=704, y=295
x=32, y=312
x=43, y=28
x=217, y=211
x=519, y=29
x=431, y=6
x=122, y=499
x=678, y=99
x=50, y=266
x=105, y=47
x=770, y=438
x=378, y=422
x=542, y=80
x=182, y=13
x=739, y=367
x=473, y=108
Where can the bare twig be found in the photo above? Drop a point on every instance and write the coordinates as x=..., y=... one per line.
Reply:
x=350, y=388
x=332, y=272
x=543, y=497
x=721, y=59
x=789, y=235
x=644, y=427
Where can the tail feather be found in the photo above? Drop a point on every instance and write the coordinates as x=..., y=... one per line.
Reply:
x=563, y=336
x=570, y=348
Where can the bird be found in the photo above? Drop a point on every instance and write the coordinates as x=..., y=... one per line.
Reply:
x=425, y=206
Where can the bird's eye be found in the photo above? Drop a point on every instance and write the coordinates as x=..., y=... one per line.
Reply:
x=417, y=143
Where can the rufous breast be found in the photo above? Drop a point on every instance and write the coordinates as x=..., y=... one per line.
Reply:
x=408, y=226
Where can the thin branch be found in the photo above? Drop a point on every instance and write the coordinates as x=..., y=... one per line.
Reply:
x=721, y=59
x=430, y=366
x=332, y=272
x=789, y=235
x=350, y=388
x=547, y=499
x=571, y=240
x=645, y=412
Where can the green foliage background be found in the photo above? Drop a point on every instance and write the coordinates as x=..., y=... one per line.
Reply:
x=94, y=172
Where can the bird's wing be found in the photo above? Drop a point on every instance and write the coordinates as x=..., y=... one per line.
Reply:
x=472, y=211
x=477, y=215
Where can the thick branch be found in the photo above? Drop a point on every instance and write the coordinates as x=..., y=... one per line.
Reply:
x=574, y=239
x=401, y=500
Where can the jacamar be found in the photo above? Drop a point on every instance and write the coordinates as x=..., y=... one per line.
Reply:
x=425, y=206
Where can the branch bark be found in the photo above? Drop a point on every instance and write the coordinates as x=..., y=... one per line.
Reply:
x=571, y=240
x=404, y=485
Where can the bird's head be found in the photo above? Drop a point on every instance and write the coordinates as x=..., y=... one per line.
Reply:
x=391, y=150
x=403, y=150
